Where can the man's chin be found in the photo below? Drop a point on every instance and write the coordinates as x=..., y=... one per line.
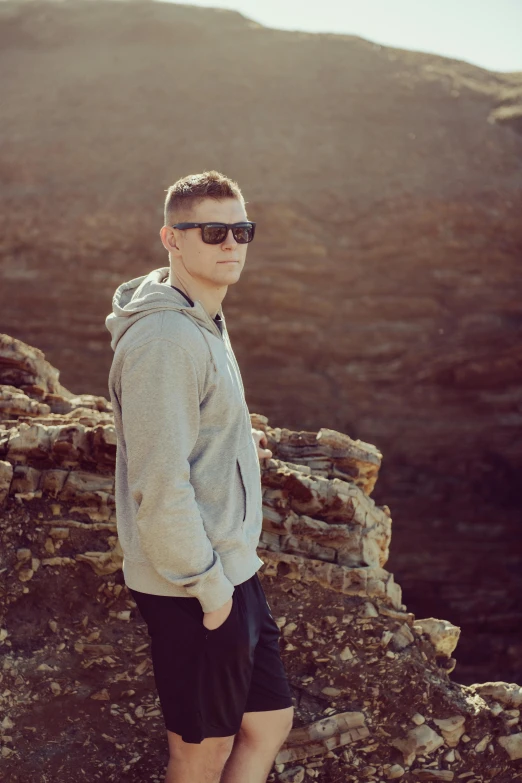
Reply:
x=229, y=274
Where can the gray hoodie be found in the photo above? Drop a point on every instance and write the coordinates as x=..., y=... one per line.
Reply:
x=188, y=484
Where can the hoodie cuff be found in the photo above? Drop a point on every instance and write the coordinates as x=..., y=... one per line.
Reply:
x=215, y=594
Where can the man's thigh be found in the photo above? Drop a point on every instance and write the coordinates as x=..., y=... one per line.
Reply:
x=269, y=690
x=207, y=680
x=202, y=675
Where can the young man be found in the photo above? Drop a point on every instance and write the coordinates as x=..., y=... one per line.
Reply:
x=188, y=495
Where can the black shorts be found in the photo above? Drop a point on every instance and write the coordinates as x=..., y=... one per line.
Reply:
x=206, y=679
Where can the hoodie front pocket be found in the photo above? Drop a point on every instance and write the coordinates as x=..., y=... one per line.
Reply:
x=243, y=491
x=248, y=466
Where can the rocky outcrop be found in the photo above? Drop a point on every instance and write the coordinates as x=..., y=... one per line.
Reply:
x=371, y=682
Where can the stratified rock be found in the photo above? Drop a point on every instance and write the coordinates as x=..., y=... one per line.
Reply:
x=513, y=745
x=419, y=741
x=508, y=694
x=370, y=681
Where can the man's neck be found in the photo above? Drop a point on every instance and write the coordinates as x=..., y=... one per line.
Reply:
x=211, y=300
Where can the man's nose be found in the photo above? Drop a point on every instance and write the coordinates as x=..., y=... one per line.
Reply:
x=229, y=239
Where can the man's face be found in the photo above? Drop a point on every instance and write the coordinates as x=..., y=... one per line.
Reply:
x=217, y=265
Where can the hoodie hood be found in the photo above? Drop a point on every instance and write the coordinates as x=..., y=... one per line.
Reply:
x=150, y=293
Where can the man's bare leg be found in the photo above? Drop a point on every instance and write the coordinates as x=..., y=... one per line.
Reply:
x=256, y=746
x=197, y=762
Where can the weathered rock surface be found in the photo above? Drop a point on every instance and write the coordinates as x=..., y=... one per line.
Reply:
x=371, y=682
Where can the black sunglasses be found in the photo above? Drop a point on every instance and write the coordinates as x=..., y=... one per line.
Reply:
x=215, y=233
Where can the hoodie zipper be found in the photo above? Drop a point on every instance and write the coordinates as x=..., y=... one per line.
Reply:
x=215, y=328
x=240, y=382
x=227, y=342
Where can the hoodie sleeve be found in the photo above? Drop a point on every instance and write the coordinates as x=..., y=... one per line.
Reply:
x=160, y=414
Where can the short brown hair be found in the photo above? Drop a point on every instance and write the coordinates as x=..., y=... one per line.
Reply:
x=189, y=191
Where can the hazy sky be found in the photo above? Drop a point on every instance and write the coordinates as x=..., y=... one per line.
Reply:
x=487, y=33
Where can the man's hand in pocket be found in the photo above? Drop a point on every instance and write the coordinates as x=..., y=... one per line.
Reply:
x=217, y=617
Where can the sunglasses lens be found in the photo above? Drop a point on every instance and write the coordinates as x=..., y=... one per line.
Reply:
x=214, y=233
x=244, y=233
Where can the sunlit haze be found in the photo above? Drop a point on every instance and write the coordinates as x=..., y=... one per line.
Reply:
x=487, y=33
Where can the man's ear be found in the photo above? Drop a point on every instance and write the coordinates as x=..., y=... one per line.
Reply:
x=168, y=239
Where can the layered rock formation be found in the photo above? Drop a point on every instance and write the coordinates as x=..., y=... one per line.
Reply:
x=371, y=682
